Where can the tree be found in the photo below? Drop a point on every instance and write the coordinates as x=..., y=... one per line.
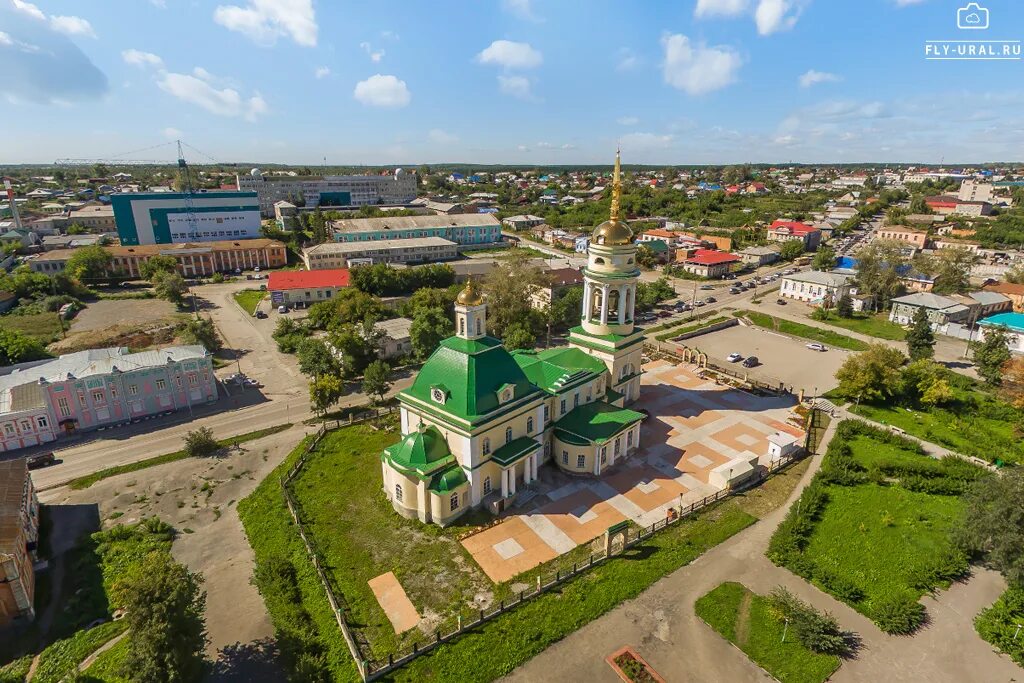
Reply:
x=824, y=259
x=993, y=522
x=879, y=265
x=992, y=353
x=645, y=256
x=844, y=307
x=325, y=391
x=650, y=294
x=518, y=335
x=791, y=249
x=920, y=338
x=164, y=605
x=953, y=270
x=315, y=359
x=170, y=286
x=203, y=332
x=871, y=375
x=1013, y=382
x=429, y=327
x=76, y=229
x=348, y=306
x=88, y=263
x=377, y=379
x=509, y=287
x=357, y=348
x=200, y=443
x=1015, y=275
x=18, y=347
x=817, y=631
x=161, y=263
x=566, y=310
x=925, y=381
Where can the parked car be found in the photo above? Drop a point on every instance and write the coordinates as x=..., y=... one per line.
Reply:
x=735, y=290
x=261, y=314
x=282, y=309
x=734, y=358
x=751, y=362
x=707, y=287
x=699, y=303
x=780, y=302
x=34, y=462
x=710, y=300
x=815, y=346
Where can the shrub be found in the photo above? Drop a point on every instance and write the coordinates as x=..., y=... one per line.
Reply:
x=839, y=586
x=200, y=443
x=899, y=614
x=217, y=278
x=998, y=623
x=817, y=631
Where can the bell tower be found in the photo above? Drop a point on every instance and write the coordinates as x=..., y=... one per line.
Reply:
x=470, y=313
x=607, y=328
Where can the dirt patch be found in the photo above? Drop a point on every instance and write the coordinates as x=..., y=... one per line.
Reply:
x=743, y=619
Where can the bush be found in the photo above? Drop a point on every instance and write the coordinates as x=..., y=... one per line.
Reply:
x=817, y=631
x=200, y=443
x=217, y=278
x=951, y=565
x=840, y=587
x=998, y=623
x=898, y=614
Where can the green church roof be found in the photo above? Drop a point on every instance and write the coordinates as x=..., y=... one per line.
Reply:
x=514, y=450
x=420, y=452
x=449, y=479
x=595, y=422
x=471, y=373
x=554, y=369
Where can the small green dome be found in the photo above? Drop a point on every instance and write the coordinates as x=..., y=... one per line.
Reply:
x=421, y=449
x=448, y=480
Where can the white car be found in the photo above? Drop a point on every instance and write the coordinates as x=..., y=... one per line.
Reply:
x=815, y=346
x=734, y=358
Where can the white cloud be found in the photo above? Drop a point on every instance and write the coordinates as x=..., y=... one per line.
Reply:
x=523, y=148
x=626, y=60
x=195, y=89
x=907, y=3
x=627, y=121
x=72, y=26
x=775, y=15
x=567, y=146
x=140, y=58
x=641, y=142
x=440, y=137
x=515, y=86
x=322, y=72
x=172, y=133
x=368, y=49
x=382, y=91
x=520, y=8
x=162, y=4
x=698, y=69
x=720, y=8
x=784, y=140
x=813, y=77
x=544, y=145
x=29, y=9
x=510, y=55
x=389, y=35
x=264, y=21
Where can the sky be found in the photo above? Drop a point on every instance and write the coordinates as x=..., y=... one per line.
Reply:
x=505, y=81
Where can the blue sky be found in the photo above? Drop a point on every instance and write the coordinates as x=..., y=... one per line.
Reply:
x=506, y=81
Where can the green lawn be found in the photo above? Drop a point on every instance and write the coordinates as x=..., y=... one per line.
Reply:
x=248, y=299
x=876, y=325
x=90, y=479
x=691, y=327
x=827, y=337
x=745, y=619
x=978, y=424
x=64, y=656
x=305, y=627
x=43, y=326
x=998, y=624
x=15, y=672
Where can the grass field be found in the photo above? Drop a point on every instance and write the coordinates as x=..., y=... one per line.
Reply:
x=90, y=479
x=817, y=334
x=981, y=427
x=249, y=299
x=877, y=325
x=62, y=658
x=43, y=326
x=302, y=618
x=691, y=327
x=745, y=619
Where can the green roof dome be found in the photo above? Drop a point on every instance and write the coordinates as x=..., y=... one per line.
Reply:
x=422, y=450
x=450, y=479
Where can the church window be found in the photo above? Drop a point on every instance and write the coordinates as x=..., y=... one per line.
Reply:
x=508, y=434
x=454, y=502
x=546, y=418
x=599, y=261
x=398, y=492
x=478, y=328
x=487, y=485
x=529, y=425
x=618, y=444
x=563, y=406
x=487, y=446
x=462, y=326
x=604, y=454
x=565, y=457
x=576, y=400
x=581, y=461
x=629, y=439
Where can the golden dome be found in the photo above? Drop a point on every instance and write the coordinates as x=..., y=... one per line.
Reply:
x=613, y=232
x=470, y=296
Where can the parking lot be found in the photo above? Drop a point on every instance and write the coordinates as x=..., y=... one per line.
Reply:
x=782, y=359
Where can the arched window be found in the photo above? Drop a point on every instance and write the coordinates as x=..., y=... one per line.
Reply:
x=599, y=261
x=487, y=446
x=529, y=425
x=487, y=485
x=508, y=434
x=453, y=503
x=462, y=326
x=398, y=492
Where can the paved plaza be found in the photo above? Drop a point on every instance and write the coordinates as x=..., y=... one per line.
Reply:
x=695, y=426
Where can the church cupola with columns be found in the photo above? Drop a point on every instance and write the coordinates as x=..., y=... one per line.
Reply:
x=607, y=328
x=470, y=313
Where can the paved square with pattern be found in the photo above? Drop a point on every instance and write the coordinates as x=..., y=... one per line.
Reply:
x=695, y=426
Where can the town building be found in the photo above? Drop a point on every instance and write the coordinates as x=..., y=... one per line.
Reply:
x=975, y=191
x=481, y=229
x=478, y=421
x=522, y=222
x=967, y=245
x=1013, y=323
x=19, y=540
x=558, y=281
x=946, y=206
x=178, y=217
x=1014, y=292
x=709, y=263
x=94, y=217
x=328, y=191
x=306, y=287
x=759, y=256
x=347, y=254
x=816, y=287
x=788, y=231
x=51, y=242
x=286, y=215
x=194, y=260
x=42, y=400
x=940, y=310
x=911, y=236
x=395, y=340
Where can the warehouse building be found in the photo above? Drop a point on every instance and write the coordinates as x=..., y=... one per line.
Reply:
x=348, y=254
x=329, y=191
x=176, y=217
x=469, y=229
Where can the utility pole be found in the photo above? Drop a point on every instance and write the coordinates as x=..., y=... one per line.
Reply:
x=693, y=301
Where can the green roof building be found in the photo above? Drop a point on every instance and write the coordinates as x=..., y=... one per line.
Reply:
x=478, y=421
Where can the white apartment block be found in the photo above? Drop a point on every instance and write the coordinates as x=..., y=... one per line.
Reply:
x=814, y=286
x=329, y=191
x=973, y=191
x=347, y=254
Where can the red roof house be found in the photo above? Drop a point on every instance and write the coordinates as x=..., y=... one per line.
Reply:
x=785, y=231
x=306, y=286
x=710, y=263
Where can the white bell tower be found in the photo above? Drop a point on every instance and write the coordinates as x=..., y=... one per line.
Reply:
x=470, y=313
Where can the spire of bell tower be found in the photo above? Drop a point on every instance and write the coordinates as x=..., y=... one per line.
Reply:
x=616, y=189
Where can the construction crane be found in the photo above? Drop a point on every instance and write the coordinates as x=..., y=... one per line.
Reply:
x=185, y=177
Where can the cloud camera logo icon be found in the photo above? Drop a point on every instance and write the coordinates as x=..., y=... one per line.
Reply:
x=973, y=17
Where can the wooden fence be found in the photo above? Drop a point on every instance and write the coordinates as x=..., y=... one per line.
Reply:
x=372, y=669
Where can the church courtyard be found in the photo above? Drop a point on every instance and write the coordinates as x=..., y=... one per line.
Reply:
x=695, y=426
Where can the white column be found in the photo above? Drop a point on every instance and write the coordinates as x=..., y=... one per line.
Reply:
x=597, y=460
x=512, y=480
x=504, y=483
x=604, y=304
x=622, y=305
x=536, y=462
x=588, y=294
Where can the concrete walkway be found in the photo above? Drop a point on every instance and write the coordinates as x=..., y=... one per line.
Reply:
x=662, y=626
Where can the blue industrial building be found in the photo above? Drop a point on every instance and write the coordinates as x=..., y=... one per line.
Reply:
x=168, y=218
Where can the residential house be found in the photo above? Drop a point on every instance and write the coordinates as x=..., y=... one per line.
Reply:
x=94, y=217
x=395, y=340
x=917, y=282
x=558, y=280
x=941, y=310
x=306, y=287
x=1012, y=323
x=1014, y=292
x=815, y=287
x=709, y=263
x=662, y=251
x=787, y=231
x=759, y=256
x=911, y=236
x=23, y=238
x=967, y=245
x=522, y=222
x=19, y=540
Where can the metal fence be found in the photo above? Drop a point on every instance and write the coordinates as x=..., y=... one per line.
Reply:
x=371, y=669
